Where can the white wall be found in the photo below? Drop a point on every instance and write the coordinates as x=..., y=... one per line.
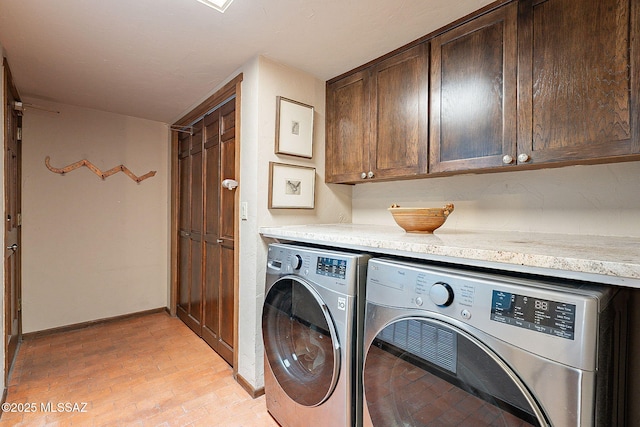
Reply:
x=92, y=249
x=263, y=81
x=587, y=200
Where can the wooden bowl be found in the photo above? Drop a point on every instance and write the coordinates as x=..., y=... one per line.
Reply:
x=420, y=220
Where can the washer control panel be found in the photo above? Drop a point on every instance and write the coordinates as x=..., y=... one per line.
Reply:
x=340, y=271
x=332, y=267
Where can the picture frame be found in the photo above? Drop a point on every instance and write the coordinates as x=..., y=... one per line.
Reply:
x=291, y=186
x=294, y=128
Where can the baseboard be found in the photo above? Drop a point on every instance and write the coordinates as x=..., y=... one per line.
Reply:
x=248, y=387
x=76, y=326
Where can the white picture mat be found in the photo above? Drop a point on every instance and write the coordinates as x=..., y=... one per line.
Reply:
x=292, y=186
x=295, y=128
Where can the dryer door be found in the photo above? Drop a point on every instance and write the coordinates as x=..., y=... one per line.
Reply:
x=300, y=341
x=424, y=372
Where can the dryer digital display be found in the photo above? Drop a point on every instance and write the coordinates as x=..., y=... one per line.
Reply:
x=548, y=317
x=332, y=267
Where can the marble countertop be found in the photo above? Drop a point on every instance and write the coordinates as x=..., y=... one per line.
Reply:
x=603, y=259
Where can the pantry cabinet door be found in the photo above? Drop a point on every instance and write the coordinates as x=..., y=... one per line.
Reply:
x=184, y=224
x=473, y=94
x=399, y=134
x=190, y=277
x=211, y=316
x=578, y=80
x=219, y=214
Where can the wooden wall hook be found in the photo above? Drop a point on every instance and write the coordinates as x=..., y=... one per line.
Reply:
x=94, y=169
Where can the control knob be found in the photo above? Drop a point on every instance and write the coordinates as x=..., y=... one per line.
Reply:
x=441, y=294
x=296, y=262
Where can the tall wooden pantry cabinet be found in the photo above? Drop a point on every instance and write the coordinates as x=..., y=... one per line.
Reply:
x=206, y=230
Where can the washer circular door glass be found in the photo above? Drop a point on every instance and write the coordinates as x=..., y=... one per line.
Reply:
x=300, y=341
x=423, y=372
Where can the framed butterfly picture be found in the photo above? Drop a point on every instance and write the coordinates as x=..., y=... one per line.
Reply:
x=291, y=186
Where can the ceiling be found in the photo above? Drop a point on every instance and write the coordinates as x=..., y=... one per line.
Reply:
x=156, y=59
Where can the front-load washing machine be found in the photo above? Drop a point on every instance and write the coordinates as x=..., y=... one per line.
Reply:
x=449, y=347
x=312, y=331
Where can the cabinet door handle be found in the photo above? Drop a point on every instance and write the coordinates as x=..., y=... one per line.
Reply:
x=363, y=175
x=507, y=159
x=523, y=158
x=370, y=174
x=229, y=184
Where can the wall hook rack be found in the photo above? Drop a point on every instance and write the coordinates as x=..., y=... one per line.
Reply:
x=94, y=169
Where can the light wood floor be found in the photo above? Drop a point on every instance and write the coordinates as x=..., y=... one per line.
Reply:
x=143, y=371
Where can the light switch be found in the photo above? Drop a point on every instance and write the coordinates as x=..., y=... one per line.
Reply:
x=244, y=211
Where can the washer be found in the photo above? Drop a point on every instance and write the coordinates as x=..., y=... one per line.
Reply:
x=312, y=324
x=449, y=347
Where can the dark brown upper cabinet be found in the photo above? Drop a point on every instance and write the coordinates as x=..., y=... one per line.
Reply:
x=473, y=93
x=578, y=83
x=399, y=94
x=377, y=120
x=516, y=85
x=347, y=128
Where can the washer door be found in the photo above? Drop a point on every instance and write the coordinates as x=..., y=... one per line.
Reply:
x=300, y=341
x=424, y=372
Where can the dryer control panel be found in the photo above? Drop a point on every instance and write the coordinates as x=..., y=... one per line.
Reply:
x=540, y=315
x=550, y=319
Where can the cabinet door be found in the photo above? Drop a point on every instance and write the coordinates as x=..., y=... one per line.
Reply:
x=347, y=149
x=184, y=224
x=228, y=215
x=219, y=258
x=473, y=93
x=211, y=318
x=399, y=134
x=578, y=79
x=190, y=303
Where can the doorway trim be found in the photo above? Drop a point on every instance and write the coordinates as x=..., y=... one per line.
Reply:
x=11, y=301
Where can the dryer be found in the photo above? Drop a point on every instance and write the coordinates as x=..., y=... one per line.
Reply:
x=449, y=347
x=312, y=324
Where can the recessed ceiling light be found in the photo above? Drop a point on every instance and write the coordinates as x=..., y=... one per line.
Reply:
x=219, y=5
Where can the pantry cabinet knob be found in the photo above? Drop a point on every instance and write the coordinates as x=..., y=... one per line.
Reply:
x=363, y=175
x=507, y=159
x=523, y=158
x=370, y=174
